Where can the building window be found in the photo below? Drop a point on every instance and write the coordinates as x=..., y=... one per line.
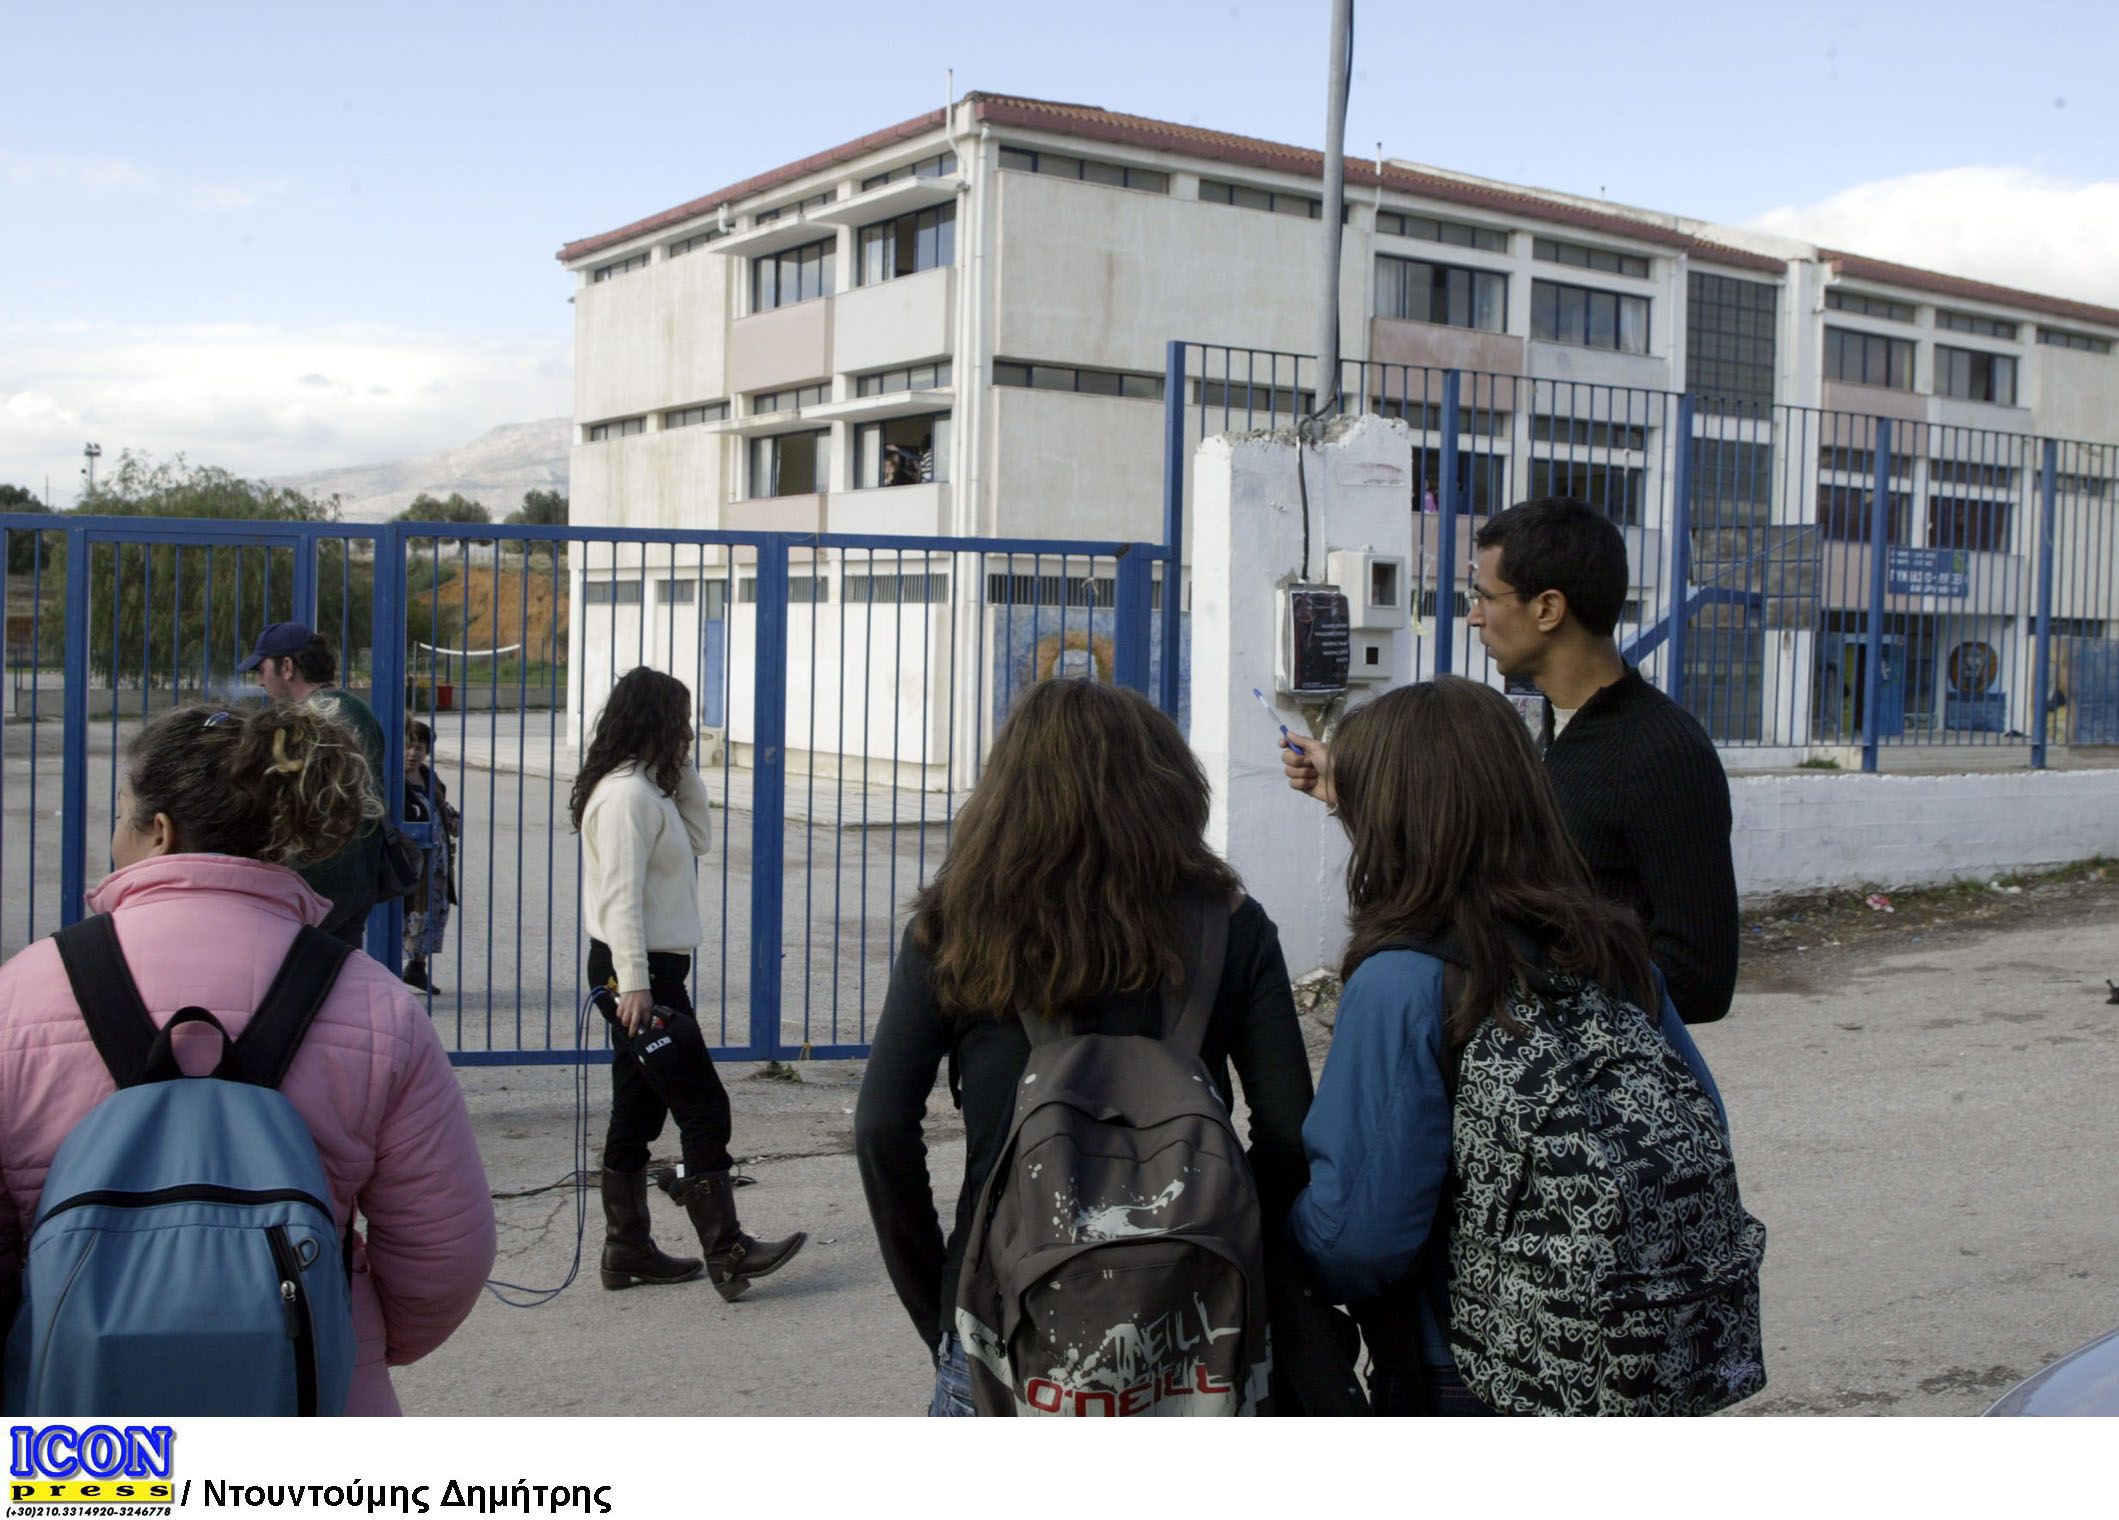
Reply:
x=1843, y=514
x=1961, y=523
x=1732, y=482
x=920, y=377
x=1067, y=166
x=2054, y=337
x=1730, y=328
x=692, y=416
x=1585, y=433
x=617, y=427
x=790, y=464
x=1051, y=590
x=1616, y=490
x=1966, y=322
x=1222, y=193
x=895, y=589
x=764, y=403
x=792, y=208
x=611, y=593
x=1582, y=256
x=926, y=168
x=805, y=589
x=618, y=267
x=908, y=244
x=1973, y=376
x=1459, y=234
x=905, y=451
x=1868, y=359
x=1591, y=318
x=797, y=274
x=696, y=241
x=1090, y=382
x=677, y=593
x=1867, y=306
x=1412, y=289
x=1258, y=401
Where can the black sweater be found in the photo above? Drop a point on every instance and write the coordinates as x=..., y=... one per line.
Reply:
x=1644, y=795
x=1253, y=1027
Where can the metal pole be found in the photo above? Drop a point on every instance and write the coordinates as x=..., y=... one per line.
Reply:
x=1173, y=523
x=73, y=760
x=1446, y=534
x=386, y=668
x=2042, y=659
x=1872, y=702
x=769, y=799
x=1131, y=617
x=1680, y=554
x=1342, y=57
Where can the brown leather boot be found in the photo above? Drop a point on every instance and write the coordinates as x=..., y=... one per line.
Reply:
x=732, y=1257
x=629, y=1253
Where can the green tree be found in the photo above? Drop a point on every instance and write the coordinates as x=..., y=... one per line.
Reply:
x=182, y=614
x=540, y=509
x=26, y=547
x=458, y=508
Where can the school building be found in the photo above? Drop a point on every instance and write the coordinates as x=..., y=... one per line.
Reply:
x=957, y=325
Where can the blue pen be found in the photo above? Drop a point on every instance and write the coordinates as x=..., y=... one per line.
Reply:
x=1274, y=714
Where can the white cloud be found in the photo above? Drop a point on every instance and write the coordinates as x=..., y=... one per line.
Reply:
x=258, y=400
x=109, y=176
x=2009, y=226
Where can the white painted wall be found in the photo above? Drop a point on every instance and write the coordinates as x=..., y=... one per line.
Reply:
x=1291, y=854
x=1801, y=833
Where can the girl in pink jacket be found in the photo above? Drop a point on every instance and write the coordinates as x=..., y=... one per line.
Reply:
x=215, y=810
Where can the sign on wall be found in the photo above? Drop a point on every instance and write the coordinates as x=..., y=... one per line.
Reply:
x=1928, y=572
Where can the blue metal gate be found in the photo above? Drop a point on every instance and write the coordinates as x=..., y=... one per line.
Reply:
x=845, y=688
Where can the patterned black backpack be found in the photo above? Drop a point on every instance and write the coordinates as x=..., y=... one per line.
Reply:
x=1116, y=1264
x=1601, y=1261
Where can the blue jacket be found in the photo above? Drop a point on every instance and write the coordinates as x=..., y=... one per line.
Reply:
x=1378, y=1134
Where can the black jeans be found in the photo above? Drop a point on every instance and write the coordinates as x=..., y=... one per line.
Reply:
x=661, y=1071
x=1426, y=1390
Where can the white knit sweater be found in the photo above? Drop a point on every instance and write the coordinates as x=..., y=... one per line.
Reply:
x=640, y=891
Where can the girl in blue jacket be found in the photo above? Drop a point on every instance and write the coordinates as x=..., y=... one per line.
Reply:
x=1455, y=837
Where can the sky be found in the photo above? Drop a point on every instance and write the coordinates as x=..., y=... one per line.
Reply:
x=281, y=238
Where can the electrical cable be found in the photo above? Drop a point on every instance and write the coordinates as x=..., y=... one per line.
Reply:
x=579, y=1178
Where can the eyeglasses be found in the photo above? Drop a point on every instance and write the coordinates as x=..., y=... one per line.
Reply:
x=1485, y=598
x=215, y=720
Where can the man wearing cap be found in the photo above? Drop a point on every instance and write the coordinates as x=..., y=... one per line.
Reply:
x=294, y=664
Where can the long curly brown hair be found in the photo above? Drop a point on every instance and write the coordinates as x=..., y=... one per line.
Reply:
x=1456, y=835
x=276, y=781
x=647, y=719
x=1069, y=866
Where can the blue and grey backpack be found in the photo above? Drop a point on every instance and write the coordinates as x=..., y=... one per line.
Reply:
x=184, y=1259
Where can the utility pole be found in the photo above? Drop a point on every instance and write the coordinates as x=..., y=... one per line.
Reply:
x=1342, y=62
x=92, y=452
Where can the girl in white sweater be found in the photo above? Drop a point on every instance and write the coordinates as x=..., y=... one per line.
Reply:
x=642, y=814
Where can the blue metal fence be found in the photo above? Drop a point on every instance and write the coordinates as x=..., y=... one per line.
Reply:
x=1795, y=605
x=846, y=689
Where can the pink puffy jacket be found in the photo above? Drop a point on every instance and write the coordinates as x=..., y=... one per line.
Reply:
x=371, y=1079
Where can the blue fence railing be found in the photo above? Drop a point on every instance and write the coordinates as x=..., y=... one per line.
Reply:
x=846, y=690
x=1792, y=602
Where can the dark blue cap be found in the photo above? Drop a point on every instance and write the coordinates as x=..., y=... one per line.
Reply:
x=277, y=641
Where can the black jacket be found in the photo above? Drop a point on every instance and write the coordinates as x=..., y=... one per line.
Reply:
x=1645, y=798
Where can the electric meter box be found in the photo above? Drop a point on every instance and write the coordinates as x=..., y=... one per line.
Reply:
x=1376, y=587
x=1315, y=641
x=1374, y=657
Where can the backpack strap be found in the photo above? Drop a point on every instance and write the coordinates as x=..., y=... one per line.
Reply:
x=268, y=1044
x=108, y=997
x=1185, y=1022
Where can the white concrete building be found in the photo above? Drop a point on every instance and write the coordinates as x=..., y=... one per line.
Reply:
x=976, y=303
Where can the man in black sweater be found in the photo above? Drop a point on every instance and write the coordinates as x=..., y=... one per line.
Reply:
x=1637, y=778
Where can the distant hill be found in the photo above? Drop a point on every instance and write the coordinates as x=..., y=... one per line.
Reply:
x=494, y=470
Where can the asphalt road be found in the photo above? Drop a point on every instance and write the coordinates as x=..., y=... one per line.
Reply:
x=1924, y=1127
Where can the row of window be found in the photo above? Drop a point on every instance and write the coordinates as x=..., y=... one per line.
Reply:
x=902, y=451
x=877, y=588
x=1874, y=359
x=926, y=168
x=901, y=245
x=764, y=403
x=1091, y=382
x=1420, y=291
x=1222, y=193
x=1068, y=166
x=1961, y=321
x=1434, y=230
x=1582, y=256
